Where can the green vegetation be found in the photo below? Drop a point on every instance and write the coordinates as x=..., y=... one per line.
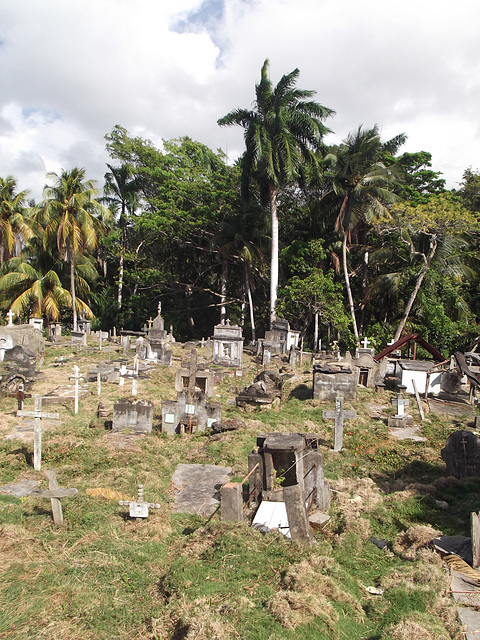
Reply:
x=183, y=576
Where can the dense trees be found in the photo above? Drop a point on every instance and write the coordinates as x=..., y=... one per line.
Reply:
x=370, y=241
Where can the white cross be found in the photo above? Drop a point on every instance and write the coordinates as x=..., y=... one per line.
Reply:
x=135, y=376
x=76, y=377
x=339, y=415
x=38, y=415
x=366, y=342
x=401, y=402
x=10, y=316
x=139, y=509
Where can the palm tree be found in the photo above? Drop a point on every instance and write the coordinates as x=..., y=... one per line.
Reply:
x=12, y=223
x=121, y=195
x=361, y=187
x=282, y=133
x=69, y=214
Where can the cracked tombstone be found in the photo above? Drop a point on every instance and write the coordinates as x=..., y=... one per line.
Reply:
x=38, y=416
x=339, y=414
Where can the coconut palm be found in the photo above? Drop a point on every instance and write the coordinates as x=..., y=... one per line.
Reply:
x=361, y=188
x=12, y=224
x=282, y=133
x=71, y=217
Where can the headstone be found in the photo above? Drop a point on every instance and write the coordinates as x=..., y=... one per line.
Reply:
x=227, y=345
x=79, y=338
x=400, y=419
x=136, y=415
x=54, y=492
x=462, y=455
x=139, y=509
x=37, y=414
x=332, y=379
x=54, y=332
x=339, y=415
x=297, y=514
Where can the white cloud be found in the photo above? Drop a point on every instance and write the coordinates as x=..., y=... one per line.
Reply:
x=70, y=71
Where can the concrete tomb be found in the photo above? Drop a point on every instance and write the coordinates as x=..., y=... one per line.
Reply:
x=400, y=419
x=332, y=379
x=265, y=390
x=136, y=415
x=419, y=371
x=203, y=377
x=227, y=345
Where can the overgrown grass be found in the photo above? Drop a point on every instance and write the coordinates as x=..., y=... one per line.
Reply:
x=180, y=576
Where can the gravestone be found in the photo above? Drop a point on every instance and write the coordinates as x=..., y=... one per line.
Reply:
x=462, y=455
x=79, y=338
x=227, y=345
x=139, y=508
x=332, y=379
x=54, y=332
x=400, y=419
x=136, y=415
x=265, y=391
x=194, y=377
x=339, y=414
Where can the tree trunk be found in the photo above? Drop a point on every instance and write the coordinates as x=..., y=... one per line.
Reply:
x=315, y=334
x=250, y=302
x=120, y=283
x=274, y=258
x=420, y=276
x=72, y=290
x=223, y=292
x=347, y=285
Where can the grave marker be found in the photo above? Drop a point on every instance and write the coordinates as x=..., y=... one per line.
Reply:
x=339, y=415
x=76, y=377
x=54, y=492
x=10, y=316
x=139, y=509
x=20, y=395
x=38, y=416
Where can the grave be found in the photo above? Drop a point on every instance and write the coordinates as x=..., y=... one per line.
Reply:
x=284, y=460
x=189, y=413
x=20, y=360
x=136, y=415
x=332, y=379
x=54, y=332
x=462, y=455
x=36, y=323
x=265, y=391
x=197, y=487
x=79, y=338
x=280, y=338
x=108, y=371
x=421, y=372
x=139, y=509
x=339, y=414
x=203, y=379
x=156, y=348
x=227, y=345
x=369, y=373
x=55, y=493
x=38, y=415
x=400, y=420
x=22, y=335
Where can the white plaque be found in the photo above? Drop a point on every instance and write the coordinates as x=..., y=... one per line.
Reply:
x=190, y=409
x=139, y=510
x=169, y=418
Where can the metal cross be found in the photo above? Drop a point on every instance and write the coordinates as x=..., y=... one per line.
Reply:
x=20, y=395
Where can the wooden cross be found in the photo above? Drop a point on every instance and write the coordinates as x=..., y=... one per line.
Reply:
x=100, y=338
x=10, y=316
x=339, y=415
x=139, y=509
x=76, y=377
x=54, y=492
x=99, y=384
x=401, y=402
x=38, y=416
x=20, y=395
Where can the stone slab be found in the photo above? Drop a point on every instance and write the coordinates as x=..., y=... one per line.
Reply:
x=197, y=487
x=21, y=489
x=407, y=433
x=64, y=394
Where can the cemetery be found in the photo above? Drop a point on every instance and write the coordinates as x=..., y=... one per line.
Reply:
x=308, y=503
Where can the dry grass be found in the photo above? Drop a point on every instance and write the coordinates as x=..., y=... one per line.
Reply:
x=409, y=629
x=355, y=496
x=410, y=541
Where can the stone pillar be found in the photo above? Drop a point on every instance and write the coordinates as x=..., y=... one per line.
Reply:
x=231, y=502
x=297, y=514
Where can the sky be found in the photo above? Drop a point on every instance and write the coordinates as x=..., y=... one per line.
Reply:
x=70, y=70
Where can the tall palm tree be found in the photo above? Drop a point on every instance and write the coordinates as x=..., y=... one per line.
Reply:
x=361, y=188
x=282, y=133
x=71, y=217
x=121, y=195
x=12, y=224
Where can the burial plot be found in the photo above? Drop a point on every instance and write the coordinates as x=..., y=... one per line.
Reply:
x=136, y=415
x=194, y=377
x=265, y=390
x=197, y=487
x=227, y=345
x=462, y=455
x=79, y=338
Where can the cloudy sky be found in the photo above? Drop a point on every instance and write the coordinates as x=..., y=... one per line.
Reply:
x=70, y=70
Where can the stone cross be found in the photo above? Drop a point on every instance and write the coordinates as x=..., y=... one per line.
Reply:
x=366, y=342
x=339, y=415
x=99, y=384
x=20, y=395
x=76, y=377
x=10, y=316
x=38, y=415
x=401, y=402
x=150, y=323
x=122, y=375
x=54, y=492
x=139, y=509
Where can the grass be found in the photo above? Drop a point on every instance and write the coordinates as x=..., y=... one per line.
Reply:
x=179, y=576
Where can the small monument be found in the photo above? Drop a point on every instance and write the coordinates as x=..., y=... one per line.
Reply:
x=227, y=345
x=462, y=455
x=136, y=415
